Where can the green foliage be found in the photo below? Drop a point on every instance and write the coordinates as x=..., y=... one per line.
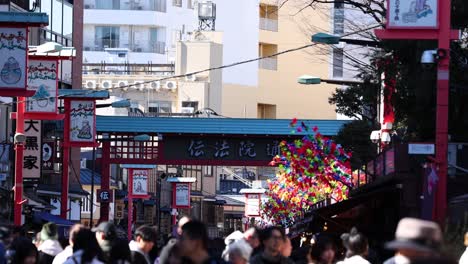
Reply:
x=454, y=234
x=354, y=137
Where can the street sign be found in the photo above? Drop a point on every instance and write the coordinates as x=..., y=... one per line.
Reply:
x=421, y=148
x=104, y=196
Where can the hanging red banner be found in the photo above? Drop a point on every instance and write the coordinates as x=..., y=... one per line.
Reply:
x=389, y=83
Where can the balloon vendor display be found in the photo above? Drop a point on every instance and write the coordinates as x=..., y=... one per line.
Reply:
x=310, y=169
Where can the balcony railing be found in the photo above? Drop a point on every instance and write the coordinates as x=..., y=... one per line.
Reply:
x=101, y=45
x=48, y=35
x=151, y=5
x=268, y=64
x=128, y=69
x=269, y=24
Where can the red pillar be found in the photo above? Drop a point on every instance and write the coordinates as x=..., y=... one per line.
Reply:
x=19, y=164
x=105, y=179
x=130, y=216
x=442, y=111
x=65, y=162
x=65, y=181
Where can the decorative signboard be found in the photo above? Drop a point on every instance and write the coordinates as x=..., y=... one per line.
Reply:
x=139, y=183
x=412, y=14
x=42, y=78
x=82, y=122
x=48, y=156
x=421, y=148
x=213, y=150
x=252, y=204
x=13, y=60
x=181, y=192
x=104, y=196
x=32, y=150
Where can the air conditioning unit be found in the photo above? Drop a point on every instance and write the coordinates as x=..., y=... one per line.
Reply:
x=91, y=84
x=106, y=84
x=171, y=85
x=191, y=78
x=187, y=110
x=139, y=85
x=156, y=85
x=122, y=83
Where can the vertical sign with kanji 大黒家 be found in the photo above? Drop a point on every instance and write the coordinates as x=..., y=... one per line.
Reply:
x=82, y=121
x=42, y=78
x=13, y=57
x=32, y=149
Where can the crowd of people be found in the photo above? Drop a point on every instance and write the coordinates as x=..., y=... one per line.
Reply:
x=416, y=241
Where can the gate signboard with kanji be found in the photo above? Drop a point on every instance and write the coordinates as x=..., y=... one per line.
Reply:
x=217, y=149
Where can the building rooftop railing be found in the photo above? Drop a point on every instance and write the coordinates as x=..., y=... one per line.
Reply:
x=128, y=69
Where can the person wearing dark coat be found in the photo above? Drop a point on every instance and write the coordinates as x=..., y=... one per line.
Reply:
x=142, y=245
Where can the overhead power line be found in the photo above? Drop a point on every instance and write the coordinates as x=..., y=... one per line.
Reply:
x=204, y=70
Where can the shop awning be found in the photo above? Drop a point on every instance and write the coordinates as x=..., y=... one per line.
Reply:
x=47, y=217
x=354, y=201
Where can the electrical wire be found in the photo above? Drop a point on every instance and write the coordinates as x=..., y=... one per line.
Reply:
x=199, y=71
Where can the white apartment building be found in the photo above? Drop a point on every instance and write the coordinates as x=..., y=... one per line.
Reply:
x=347, y=20
x=142, y=31
x=148, y=29
x=144, y=34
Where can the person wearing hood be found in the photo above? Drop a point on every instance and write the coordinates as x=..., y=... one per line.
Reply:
x=142, y=245
x=49, y=247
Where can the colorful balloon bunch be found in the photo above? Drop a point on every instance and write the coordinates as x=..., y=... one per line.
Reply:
x=311, y=169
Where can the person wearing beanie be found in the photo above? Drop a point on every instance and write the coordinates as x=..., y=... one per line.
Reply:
x=50, y=247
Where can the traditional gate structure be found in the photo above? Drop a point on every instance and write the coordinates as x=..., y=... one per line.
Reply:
x=193, y=141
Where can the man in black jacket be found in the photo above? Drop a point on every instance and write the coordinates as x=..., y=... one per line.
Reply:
x=142, y=245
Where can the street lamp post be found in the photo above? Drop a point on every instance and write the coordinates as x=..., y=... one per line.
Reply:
x=436, y=27
x=309, y=80
x=381, y=136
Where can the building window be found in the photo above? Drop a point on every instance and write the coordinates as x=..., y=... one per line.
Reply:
x=158, y=5
x=108, y=4
x=339, y=4
x=338, y=21
x=193, y=104
x=177, y=3
x=107, y=37
x=86, y=204
x=266, y=111
x=190, y=4
x=338, y=56
x=157, y=40
x=160, y=107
